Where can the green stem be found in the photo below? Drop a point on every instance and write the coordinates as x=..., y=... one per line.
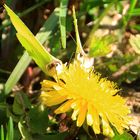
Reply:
x=5, y=71
x=79, y=48
x=128, y=16
x=32, y=8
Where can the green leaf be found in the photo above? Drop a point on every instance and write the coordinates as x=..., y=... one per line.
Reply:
x=21, y=102
x=40, y=57
x=29, y=42
x=135, y=43
x=100, y=46
x=124, y=136
x=62, y=21
x=38, y=119
x=42, y=36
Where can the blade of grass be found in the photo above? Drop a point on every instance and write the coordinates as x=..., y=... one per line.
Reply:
x=128, y=15
x=10, y=131
x=136, y=27
x=5, y=71
x=132, y=6
x=2, y=132
x=135, y=12
x=25, y=12
x=42, y=36
x=48, y=27
x=17, y=72
x=62, y=21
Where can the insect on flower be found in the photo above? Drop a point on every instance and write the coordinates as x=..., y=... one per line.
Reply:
x=54, y=68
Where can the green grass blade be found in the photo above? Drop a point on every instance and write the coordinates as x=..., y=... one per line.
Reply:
x=136, y=27
x=42, y=36
x=2, y=133
x=25, y=12
x=17, y=72
x=62, y=21
x=48, y=27
x=128, y=15
x=10, y=129
x=135, y=12
x=5, y=71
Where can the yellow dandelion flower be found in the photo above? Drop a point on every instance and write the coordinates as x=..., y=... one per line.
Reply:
x=93, y=99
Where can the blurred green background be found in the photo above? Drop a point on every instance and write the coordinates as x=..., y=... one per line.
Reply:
x=109, y=32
